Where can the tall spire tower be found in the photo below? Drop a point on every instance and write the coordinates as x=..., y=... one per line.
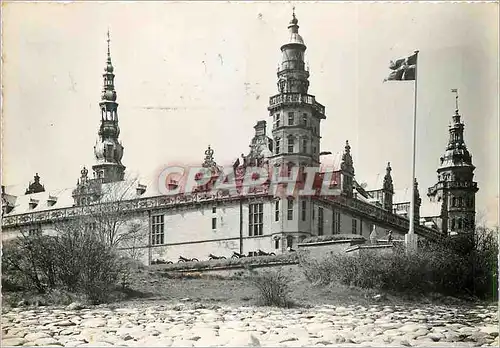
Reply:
x=108, y=150
x=456, y=188
x=296, y=114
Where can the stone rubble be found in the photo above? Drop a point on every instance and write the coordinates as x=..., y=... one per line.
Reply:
x=197, y=325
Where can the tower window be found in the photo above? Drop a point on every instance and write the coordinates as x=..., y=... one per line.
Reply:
x=277, y=211
x=354, y=226
x=304, y=120
x=277, y=147
x=214, y=210
x=289, y=241
x=453, y=202
x=304, y=145
x=276, y=244
x=291, y=144
x=277, y=120
x=290, y=209
x=460, y=201
x=314, y=150
x=291, y=118
x=214, y=223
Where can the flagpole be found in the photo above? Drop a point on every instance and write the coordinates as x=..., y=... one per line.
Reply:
x=411, y=243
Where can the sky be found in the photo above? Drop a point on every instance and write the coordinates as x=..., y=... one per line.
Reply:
x=189, y=75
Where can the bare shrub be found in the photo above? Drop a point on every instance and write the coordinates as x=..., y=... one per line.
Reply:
x=459, y=266
x=273, y=287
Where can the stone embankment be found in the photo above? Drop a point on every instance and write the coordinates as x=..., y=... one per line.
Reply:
x=188, y=324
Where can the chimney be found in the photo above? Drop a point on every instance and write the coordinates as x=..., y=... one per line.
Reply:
x=260, y=128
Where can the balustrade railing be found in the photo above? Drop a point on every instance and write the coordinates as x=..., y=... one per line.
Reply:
x=285, y=98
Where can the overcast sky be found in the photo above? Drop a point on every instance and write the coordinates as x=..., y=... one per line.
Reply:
x=193, y=74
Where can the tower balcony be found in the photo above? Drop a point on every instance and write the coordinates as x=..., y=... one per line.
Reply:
x=453, y=185
x=285, y=99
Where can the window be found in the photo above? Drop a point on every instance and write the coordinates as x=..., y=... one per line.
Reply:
x=277, y=120
x=354, y=226
x=304, y=120
x=452, y=224
x=289, y=241
x=277, y=211
x=336, y=222
x=453, y=202
x=304, y=145
x=290, y=209
x=291, y=144
x=459, y=223
x=255, y=221
x=276, y=244
x=214, y=223
x=277, y=146
x=360, y=227
x=304, y=208
x=320, y=221
x=214, y=210
x=157, y=230
x=291, y=118
x=460, y=201
x=314, y=150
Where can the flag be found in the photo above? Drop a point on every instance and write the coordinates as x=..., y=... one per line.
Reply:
x=403, y=69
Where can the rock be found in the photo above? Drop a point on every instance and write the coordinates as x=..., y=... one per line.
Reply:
x=36, y=336
x=22, y=303
x=490, y=330
x=47, y=341
x=65, y=323
x=12, y=342
x=74, y=306
x=244, y=340
x=379, y=298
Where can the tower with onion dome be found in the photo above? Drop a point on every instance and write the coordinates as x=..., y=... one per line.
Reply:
x=456, y=188
x=108, y=150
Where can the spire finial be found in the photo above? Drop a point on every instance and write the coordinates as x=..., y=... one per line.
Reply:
x=293, y=11
x=109, y=54
x=455, y=90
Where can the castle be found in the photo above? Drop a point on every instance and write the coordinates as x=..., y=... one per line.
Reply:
x=220, y=223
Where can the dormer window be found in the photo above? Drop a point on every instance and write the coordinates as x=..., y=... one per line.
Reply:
x=51, y=201
x=33, y=203
x=141, y=189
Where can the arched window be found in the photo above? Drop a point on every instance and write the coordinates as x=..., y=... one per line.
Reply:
x=289, y=241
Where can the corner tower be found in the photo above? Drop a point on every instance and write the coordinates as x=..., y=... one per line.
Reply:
x=456, y=188
x=296, y=114
x=108, y=150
